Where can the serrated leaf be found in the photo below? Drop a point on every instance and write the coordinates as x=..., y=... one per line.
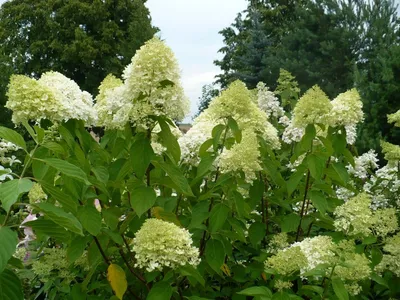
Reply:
x=141, y=154
x=13, y=137
x=256, y=291
x=218, y=216
x=76, y=248
x=319, y=201
x=60, y=217
x=290, y=223
x=67, y=169
x=257, y=232
x=161, y=214
x=294, y=180
x=10, y=286
x=190, y=271
x=340, y=289
x=169, y=140
x=176, y=176
x=90, y=219
x=316, y=165
x=142, y=199
x=160, y=291
x=50, y=229
x=10, y=191
x=67, y=202
x=117, y=278
x=205, y=146
x=233, y=125
x=9, y=241
x=215, y=255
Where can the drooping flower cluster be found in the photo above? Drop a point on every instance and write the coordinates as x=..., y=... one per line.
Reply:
x=151, y=87
x=159, y=244
x=268, y=102
x=53, y=97
x=236, y=102
x=355, y=217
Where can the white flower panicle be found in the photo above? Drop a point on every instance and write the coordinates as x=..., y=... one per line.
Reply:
x=346, y=109
x=53, y=97
x=159, y=244
x=151, y=87
x=268, y=102
x=238, y=103
x=363, y=163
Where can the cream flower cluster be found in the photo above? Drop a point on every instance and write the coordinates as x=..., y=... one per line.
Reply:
x=151, y=87
x=36, y=194
x=391, y=151
x=5, y=149
x=394, y=118
x=346, y=109
x=391, y=258
x=363, y=164
x=355, y=217
x=53, y=97
x=238, y=103
x=384, y=187
x=159, y=244
x=268, y=102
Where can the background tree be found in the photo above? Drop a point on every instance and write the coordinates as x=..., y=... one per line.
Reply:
x=208, y=92
x=83, y=39
x=337, y=44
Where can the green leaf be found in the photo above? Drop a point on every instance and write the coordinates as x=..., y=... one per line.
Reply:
x=218, y=216
x=141, y=154
x=205, y=165
x=316, y=166
x=90, y=219
x=67, y=202
x=295, y=179
x=169, y=140
x=53, y=146
x=168, y=216
x=379, y=280
x=160, y=291
x=190, y=271
x=9, y=241
x=319, y=201
x=237, y=133
x=176, y=176
x=76, y=248
x=205, y=146
x=48, y=228
x=10, y=191
x=67, y=169
x=60, y=217
x=10, y=286
x=142, y=199
x=342, y=172
x=257, y=232
x=256, y=291
x=117, y=278
x=340, y=289
x=290, y=222
x=215, y=255
x=13, y=137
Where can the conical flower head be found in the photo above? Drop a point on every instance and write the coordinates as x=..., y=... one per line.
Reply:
x=159, y=244
x=346, y=109
x=313, y=107
x=394, y=118
x=152, y=82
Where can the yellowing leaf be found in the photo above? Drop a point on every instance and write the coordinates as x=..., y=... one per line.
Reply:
x=159, y=213
x=116, y=277
x=226, y=270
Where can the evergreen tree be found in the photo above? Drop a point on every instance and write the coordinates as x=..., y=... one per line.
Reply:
x=83, y=39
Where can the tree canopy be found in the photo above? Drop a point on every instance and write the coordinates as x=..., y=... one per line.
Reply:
x=85, y=39
x=337, y=44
